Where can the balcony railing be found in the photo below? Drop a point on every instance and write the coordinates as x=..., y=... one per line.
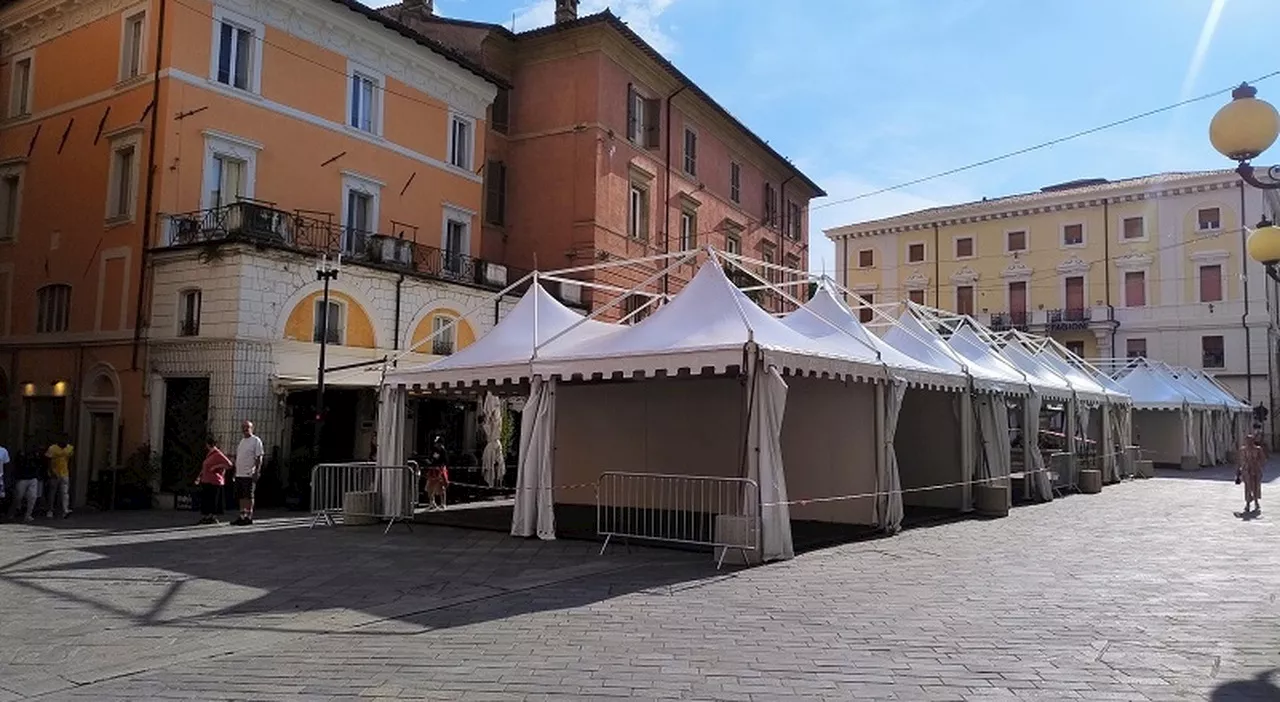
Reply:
x=306, y=232
x=1070, y=318
x=1004, y=321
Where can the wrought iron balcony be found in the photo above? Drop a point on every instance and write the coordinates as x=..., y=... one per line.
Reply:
x=313, y=233
x=1070, y=318
x=1004, y=321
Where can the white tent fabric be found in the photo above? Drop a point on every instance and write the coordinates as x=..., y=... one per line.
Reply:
x=989, y=369
x=824, y=316
x=1044, y=379
x=764, y=463
x=1194, y=397
x=708, y=325
x=1085, y=387
x=492, y=460
x=392, y=487
x=1081, y=438
x=504, y=353
x=1042, y=485
x=1150, y=390
x=993, y=422
x=1107, y=447
x=912, y=338
x=1188, y=433
x=534, y=511
x=889, y=511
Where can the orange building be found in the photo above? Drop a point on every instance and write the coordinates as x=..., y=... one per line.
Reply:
x=175, y=169
x=601, y=149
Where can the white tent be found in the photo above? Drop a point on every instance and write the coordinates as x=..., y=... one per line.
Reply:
x=925, y=409
x=712, y=385
x=1162, y=422
x=1200, y=415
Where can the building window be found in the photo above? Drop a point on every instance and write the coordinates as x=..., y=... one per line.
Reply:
x=1213, y=352
x=769, y=256
x=236, y=56
x=1075, y=296
x=915, y=253
x=359, y=223
x=916, y=296
x=690, y=152
x=865, y=313
x=1135, y=348
x=460, y=144
x=770, y=212
x=495, y=193
x=131, y=46
x=642, y=119
x=123, y=184
x=795, y=221
x=457, y=242
x=688, y=230
x=500, y=113
x=1135, y=289
x=638, y=213
x=20, y=86
x=10, y=198
x=792, y=262
x=964, y=299
x=1075, y=347
x=1211, y=283
x=1209, y=219
x=189, y=313
x=1016, y=241
x=1018, y=302
x=732, y=244
x=735, y=182
x=228, y=180
x=53, y=308
x=1133, y=228
x=1073, y=235
x=964, y=247
x=866, y=258
x=636, y=307
x=328, y=328
x=363, y=111
x=442, y=330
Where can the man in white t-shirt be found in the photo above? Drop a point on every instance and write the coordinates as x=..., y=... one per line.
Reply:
x=248, y=470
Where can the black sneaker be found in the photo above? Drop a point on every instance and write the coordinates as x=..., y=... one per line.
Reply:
x=239, y=521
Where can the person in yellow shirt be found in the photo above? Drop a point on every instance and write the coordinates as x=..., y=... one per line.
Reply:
x=59, y=455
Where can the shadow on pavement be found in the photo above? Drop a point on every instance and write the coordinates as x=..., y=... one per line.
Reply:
x=1259, y=689
x=263, y=577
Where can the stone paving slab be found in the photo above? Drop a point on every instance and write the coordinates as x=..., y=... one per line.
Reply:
x=1152, y=590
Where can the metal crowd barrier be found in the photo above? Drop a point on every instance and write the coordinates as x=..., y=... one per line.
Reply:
x=362, y=493
x=722, y=513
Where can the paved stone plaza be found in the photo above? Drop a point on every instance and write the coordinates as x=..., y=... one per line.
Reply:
x=1151, y=591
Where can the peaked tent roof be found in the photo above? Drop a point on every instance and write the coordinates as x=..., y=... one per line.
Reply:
x=825, y=316
x=984, y=360
x=1045, y=379
x=505, y=352
x=1151, y=390
x=1195, y=397
x=1212, y=390
x=707, y=325
x=1085, y=386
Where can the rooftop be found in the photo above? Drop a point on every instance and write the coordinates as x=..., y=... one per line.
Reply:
x=1081, y=189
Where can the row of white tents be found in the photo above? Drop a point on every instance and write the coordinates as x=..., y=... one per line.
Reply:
x=834, y=422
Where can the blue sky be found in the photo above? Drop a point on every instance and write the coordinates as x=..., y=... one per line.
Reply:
x=865, y=94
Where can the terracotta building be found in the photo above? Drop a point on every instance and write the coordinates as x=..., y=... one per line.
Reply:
x=175, y=169
x=602, y=149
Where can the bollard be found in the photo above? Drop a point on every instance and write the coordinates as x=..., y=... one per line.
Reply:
x=1091, y=482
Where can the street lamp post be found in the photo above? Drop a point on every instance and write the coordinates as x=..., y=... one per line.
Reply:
x=1242, y=130
x=326, y=270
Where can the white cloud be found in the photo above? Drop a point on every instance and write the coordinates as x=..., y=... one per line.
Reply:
x=822, y=252
x=641, y=15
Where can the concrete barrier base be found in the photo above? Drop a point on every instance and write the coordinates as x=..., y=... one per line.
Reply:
x=1145, y=469
x=991, y=500
x=735, y=530
x=358, y=508
x=1190, y=463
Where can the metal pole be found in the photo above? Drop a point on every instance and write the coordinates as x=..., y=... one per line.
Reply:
x=324, y=273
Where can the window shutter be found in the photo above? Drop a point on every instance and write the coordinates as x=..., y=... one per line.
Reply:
x=631, y=112
x=651, y=125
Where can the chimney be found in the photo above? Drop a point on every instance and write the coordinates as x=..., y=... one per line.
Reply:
x=566, y=11
x=423, y=8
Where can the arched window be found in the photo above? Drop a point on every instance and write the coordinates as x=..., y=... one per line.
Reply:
x=53, y=308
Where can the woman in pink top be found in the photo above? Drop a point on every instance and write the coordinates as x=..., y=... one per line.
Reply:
x=212, y=478
x=1252, y=458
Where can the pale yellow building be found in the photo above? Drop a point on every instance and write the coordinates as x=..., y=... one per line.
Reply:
x=1148, y=266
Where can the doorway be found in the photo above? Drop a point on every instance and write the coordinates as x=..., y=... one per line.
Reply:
x=43, y=420
x=186, y=427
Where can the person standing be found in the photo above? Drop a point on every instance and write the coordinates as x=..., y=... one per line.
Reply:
x=212, y=479
x=59, y=455
x=1252, y=458
x=26, y=485
x=248, y=469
